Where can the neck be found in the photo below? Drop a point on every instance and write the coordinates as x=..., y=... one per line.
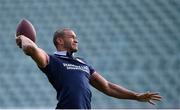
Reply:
x=62, y=49
x=65, y=53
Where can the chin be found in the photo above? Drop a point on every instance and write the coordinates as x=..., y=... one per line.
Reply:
x=74, y=50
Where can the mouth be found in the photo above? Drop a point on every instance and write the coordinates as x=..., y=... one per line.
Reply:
x=75, y=45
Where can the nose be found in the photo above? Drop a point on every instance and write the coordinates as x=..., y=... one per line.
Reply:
x=75, y=40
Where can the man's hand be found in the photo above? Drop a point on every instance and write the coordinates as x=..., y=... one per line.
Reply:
x=26, y=44
x=149, y=97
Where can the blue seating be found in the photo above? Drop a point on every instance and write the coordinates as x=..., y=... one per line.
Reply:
x=134, y=43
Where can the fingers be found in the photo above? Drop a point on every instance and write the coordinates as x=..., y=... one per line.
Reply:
x=150, y=97
x=155, y=95
x=151, y=102
x=21, y=40
x=156, y=99
x=152, y=93
x=18, y=41
x=159, y=97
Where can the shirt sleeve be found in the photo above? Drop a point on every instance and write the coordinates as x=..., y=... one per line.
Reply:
x=92, y=70
x=50, y=67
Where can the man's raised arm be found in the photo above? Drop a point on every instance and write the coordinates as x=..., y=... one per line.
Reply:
x=31, y=49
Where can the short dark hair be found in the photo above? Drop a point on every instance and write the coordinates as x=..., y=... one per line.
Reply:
x=59, y=33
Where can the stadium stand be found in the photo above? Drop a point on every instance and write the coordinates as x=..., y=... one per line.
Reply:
x=134, y=43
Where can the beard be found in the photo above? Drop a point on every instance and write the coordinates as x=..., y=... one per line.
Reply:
x=70, y=48
x=74, y=50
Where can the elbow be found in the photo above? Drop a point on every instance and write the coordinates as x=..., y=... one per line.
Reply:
x=44, y=62
x=107, y=89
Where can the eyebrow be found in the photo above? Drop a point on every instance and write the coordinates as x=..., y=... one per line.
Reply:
x=70, y=35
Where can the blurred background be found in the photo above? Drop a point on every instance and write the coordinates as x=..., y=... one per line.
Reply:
x=134, y=43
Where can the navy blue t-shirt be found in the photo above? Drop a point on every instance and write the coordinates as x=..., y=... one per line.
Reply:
x=70, y=78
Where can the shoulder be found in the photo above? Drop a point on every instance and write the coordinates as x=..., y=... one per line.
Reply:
x=53, y=58
x=81, y=60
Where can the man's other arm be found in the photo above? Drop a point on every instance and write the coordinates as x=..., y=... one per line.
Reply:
x=120, y=92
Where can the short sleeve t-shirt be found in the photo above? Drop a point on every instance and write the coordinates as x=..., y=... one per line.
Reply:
x=70, y=78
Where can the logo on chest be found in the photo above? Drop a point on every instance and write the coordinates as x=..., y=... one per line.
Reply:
x=76, y=67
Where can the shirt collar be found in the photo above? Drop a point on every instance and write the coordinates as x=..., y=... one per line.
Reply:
x=63, y=53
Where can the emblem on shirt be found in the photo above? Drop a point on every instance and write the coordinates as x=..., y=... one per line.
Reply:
x=76, y=67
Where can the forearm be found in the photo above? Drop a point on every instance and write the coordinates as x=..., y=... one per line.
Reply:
x=120, y=92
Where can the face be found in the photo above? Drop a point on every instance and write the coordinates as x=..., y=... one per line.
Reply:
x=70, y=41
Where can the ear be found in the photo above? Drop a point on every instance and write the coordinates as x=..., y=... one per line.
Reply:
x=60, y=41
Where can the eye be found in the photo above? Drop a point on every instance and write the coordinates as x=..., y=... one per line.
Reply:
x=74, y=37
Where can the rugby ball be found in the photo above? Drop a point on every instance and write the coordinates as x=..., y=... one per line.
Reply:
x=26, y=28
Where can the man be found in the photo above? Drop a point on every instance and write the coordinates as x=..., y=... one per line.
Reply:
x=72, y=76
